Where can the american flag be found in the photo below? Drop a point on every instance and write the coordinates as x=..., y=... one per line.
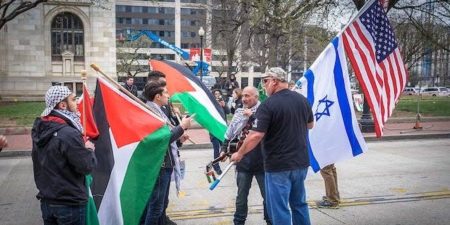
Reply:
x=370, y=44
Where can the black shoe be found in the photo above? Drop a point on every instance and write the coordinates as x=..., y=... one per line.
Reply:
x=169, y=221
x=327, y=204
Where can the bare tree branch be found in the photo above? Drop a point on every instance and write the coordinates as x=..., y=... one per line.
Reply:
x=20, y=7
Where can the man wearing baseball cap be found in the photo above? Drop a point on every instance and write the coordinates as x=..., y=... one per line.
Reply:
x=61, y=159
x=282, y=122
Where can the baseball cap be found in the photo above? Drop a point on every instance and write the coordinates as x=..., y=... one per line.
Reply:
x=276, y=73
x=54, y=96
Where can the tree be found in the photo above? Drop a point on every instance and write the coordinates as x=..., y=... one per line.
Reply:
x=131, y=58
x=10, y=9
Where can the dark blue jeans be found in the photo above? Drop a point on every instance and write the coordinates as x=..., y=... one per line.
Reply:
x=216, y=146
x=155, y=207
x=286, y=197
x=244, y=183
x=54, y=214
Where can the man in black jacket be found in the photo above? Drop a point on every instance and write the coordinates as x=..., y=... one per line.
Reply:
x=61, y=159
x=252, y=164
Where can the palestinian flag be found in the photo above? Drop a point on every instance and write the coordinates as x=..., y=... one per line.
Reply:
x=130, y=151
x=185, y=87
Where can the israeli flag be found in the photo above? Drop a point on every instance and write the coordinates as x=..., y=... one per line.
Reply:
x=336, y=135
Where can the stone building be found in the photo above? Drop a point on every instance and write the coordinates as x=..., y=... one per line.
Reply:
x=52, y=43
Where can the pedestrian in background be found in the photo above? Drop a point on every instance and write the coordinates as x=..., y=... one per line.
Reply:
x=235, y=100
x=129, y=85
x=61, y=159
x=332, y=198
x=282, y=122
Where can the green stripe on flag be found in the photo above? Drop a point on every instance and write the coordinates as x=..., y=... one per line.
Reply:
x=202, y=116
x=91, y=210
x=142, y=172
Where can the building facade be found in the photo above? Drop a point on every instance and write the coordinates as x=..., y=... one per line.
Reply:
x=53, y=43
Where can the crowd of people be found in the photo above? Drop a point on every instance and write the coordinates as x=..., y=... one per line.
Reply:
x=269, y=141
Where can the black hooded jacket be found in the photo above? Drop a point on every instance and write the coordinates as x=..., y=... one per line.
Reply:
x=60, y=161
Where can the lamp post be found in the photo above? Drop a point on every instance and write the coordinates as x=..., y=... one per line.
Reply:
x=201, y=33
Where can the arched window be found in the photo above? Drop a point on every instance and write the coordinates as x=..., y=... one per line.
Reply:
x=67, y=34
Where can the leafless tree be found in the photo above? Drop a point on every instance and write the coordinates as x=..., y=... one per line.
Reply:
x=10, y=9
x=130, y=56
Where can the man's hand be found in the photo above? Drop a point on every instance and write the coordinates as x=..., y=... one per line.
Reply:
x=236, y=157
x=186, y=122
x=222, y=103
x=247, y=112
x=89, y=145
x=184, y=137
x=224, y=158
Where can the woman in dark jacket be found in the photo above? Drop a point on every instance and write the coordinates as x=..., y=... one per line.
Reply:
x=236, y=101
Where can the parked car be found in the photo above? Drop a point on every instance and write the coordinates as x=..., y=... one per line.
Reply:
x=409, y=91
x=435, y=91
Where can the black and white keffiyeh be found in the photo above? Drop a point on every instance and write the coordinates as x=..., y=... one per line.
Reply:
x=238, y=122
x=55, y=95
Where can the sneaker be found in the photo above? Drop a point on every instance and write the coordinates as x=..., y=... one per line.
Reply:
x=169, y=221
x=327, y=204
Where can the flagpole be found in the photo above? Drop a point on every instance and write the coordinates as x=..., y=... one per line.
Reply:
x=83, y=113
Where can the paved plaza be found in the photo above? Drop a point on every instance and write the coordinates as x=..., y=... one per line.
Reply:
x=395, y=182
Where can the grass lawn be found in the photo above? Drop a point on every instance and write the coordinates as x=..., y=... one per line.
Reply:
x=19, y=113
x=24, y=113
x=428, y=106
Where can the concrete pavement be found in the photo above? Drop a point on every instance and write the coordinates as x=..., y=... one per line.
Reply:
x=396, y=182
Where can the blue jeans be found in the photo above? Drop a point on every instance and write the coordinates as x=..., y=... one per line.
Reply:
x=63, y=214
x=155, y=207
x=244, y=183
x=284, y=189
x=216, y=146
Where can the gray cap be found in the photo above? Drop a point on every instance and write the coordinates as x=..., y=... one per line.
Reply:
x=276, y=73
x=54, y=96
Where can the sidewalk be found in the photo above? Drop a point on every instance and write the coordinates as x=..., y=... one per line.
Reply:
x=19, y=140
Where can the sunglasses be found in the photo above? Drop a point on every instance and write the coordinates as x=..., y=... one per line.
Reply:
x=266, y=79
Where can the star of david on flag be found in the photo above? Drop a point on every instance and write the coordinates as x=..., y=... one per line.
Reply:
x=324, y=107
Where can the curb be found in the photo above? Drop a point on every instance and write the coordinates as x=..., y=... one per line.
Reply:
x=26, y=153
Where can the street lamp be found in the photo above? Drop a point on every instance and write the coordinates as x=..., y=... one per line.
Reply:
x=201, y=33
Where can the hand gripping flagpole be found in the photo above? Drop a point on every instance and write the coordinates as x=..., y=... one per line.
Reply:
x=83, y=113
x=216, y=182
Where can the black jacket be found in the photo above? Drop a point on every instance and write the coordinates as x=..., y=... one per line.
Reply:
x=60, y=161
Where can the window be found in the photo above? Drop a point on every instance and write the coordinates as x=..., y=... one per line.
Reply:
x=67, y=34
x=244, y=82
x=256, y=81
x=136, y=9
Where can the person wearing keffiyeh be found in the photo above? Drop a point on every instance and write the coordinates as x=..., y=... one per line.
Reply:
x=61, y=159
x=252, y=164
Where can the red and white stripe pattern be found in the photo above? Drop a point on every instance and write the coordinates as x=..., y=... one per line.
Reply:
x=375, y=57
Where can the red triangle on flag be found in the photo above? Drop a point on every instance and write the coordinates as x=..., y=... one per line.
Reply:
x=129, y=123
x=90, y=127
